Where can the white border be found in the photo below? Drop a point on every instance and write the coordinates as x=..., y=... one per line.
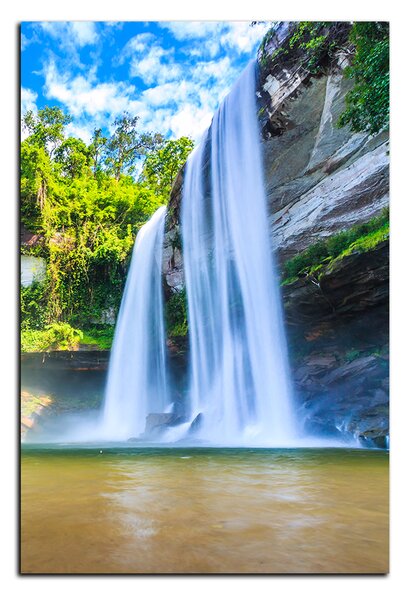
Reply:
x=191, y=588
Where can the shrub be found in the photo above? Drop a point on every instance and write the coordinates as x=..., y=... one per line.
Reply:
x=367, y=104
x=176, y=314
x=57, y=336
x=359, y=238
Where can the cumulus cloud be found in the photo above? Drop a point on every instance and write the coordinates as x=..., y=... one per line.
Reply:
x=191, y=30
x=212, y=35
x=242, y=37
x=156, y=66
x=84, y=132
x=81, y=95
x=28, y=99
x=78, y=33
x=173, y=87
x=28, y=102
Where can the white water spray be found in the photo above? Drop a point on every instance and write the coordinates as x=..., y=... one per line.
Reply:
x=240, y=380
x=137, y=376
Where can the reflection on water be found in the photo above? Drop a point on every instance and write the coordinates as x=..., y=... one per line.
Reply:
x=203, y=511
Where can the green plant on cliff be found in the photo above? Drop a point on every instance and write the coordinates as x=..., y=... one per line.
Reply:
x=360, y=238
x=310, y=36
x=176, y=314
x=367, y=104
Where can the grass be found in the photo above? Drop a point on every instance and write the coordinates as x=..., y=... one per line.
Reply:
x=57, y=336
x=325, y=254
x=61, y=336
x=99, y=337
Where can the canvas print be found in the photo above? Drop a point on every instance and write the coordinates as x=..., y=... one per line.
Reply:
x=204, y=298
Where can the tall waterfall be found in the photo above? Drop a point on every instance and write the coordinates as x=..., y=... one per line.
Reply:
x=239, y=369
x=137, y=376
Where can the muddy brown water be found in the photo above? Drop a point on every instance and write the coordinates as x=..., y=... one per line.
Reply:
x=183, y=510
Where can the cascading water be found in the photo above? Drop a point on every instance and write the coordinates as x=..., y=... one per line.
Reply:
x=137, y=377
x=239, y=374
x=240, y=380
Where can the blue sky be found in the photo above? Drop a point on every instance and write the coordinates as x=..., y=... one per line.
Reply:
x=171, y=74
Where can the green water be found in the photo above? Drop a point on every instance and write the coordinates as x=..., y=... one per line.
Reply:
x=188, y=510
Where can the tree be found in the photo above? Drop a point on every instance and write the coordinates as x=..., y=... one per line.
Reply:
x=367, y=104
x=74, y=157
x=162, y=165
x=127, y=145
x=96, y=149
x=86, y=225
x=46, y=128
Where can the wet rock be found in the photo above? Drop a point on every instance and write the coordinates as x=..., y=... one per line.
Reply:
x=156, y=421
x=196, y=423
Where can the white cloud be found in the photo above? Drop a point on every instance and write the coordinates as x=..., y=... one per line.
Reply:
x=71, y=33
x=212, y=35
x=82, y=96
x=156, y=65
x=28, y=99
x=84, y=132
x=84, y=32
x=191, y=30
x=180, y=96
x=191, y=121
x=242, y=36
x=139, y=43
x=25, y=41
x=167, y=93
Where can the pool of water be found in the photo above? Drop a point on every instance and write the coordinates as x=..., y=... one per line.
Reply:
x=206, y=510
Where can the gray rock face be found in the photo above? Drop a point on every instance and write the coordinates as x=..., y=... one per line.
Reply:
x=320, y=179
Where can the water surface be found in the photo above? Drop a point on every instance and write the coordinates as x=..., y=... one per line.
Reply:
x=207, y=510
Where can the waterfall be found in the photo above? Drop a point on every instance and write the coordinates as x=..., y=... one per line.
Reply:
x=239, y=382
x=137, y=376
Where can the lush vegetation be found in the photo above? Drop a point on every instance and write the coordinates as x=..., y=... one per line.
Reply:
x=367, y=104
x=86, y=202
x=315, y=44
x=360, y=238
x=58, y=336
x=176, y=314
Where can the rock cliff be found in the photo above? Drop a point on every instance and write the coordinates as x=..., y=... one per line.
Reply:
x=320, y=180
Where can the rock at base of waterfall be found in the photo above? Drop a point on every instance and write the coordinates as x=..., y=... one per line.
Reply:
x=196, y=423
x=156, y=421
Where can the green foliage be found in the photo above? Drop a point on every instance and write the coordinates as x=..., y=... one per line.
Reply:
x=33, y=306
x=305, y=260
x=101, y=337
x=74, y=158
x=46, y=129
x=176, y=314
x=367, y=104
x=87, y=210
x=310, y=36
x=352, y=355
x=127, y=145
x=162, y=165
x=57, y=336
x=360, y=238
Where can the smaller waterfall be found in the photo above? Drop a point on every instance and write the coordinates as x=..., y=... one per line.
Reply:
x=137, y=376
